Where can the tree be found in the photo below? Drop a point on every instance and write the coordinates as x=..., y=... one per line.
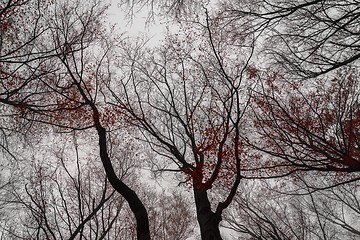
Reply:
x=64, y=87
x=206, y=111
x=67, y=198
x=175, y=9
x=170, y=215
x=268, y=210
x=306, y=38
x=64, y=198
x=301, y=120
x=22, y=53
x=260, y=213
x=308, y=126
x=187, y=99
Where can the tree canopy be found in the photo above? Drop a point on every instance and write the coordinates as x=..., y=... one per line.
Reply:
x=251, y=105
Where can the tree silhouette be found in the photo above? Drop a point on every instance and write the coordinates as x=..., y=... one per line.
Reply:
x=187, y=99
x=62, y=90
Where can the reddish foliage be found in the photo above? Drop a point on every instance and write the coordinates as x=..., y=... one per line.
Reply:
x=251, y=72
x=212, y=152
x=310, y=127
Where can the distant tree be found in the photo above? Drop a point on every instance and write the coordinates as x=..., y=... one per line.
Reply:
x=264, y=210
x=174, y=9
x=67, y=196
x=64, y=199
x=171, y=216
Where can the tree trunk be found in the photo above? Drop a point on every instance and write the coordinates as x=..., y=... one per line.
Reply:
x=136, y=206
x=208, y=220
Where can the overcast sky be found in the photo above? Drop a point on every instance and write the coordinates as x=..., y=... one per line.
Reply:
x=137, y=27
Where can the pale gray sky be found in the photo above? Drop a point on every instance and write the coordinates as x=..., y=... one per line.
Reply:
x=138, y=26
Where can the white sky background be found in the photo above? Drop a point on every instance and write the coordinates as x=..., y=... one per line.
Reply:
x=138, y=26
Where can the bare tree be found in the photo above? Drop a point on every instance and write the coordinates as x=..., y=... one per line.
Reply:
x=170, y=215
x=258, y=213
x=65, y=198
x=307, y=38
x=22, y=53
x=268, y=210
x=187, y=99
x=63, y=90
x=173, y=9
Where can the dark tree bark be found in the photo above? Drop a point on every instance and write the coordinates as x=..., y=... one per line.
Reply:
x=136, y=206
x=208, y=220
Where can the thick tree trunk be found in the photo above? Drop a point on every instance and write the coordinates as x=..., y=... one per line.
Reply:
x=136, y=206
x=208, y=220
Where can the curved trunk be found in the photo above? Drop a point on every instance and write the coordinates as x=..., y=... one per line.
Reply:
x=136, y=206
x=208, y=220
